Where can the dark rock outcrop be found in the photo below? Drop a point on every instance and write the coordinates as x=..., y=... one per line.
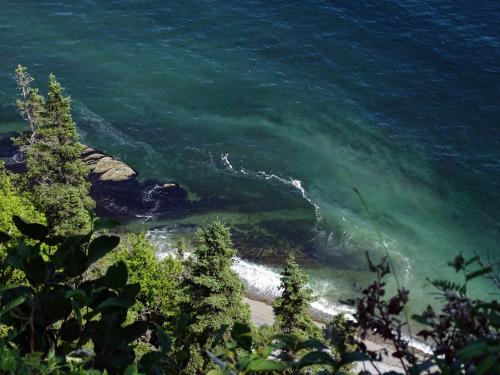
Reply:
x=115, y=187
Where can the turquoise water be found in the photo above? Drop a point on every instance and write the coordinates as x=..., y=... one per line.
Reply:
x=281, y=108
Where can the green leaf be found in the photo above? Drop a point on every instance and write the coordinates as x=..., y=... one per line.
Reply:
x=135, y=330
x=70, y=330
x=53, y=240
x=24, y=251
x=473, y=350
x=354, y=357
x=215, y=372
x=55, y=304
x=4, y=237
x=486, y=364
x=75, y=263
x=219, y=335
x=311, y=344
x=117, y=275
x=149, y=363
x=5, y=288
x=131, y=290
x=164, y=340
x=34, y=231
x=315, y=358
x=420, y=318
x=121, y=301
x=4, y=309
x=77, y=295
x=35, y=270
x=105, y=223
x=131, y=370
x=15, y=261
x=287, y=340
x=242, y=334
x=101, y=246
x=78, y=312
x=261, y=364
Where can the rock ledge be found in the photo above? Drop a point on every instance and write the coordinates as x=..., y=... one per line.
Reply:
x=107, y=167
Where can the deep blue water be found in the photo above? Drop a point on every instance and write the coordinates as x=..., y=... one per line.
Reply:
x=244, y=99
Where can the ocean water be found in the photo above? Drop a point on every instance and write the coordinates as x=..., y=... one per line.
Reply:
x=280, y=109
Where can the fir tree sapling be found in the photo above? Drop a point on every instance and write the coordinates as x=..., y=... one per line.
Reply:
x=56, y=176
x=213, y=299
x=291, y=308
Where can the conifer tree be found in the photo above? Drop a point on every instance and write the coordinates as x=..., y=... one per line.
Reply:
x=213, y=299
x=56, y=176
x=290, y=310
x=31, y=104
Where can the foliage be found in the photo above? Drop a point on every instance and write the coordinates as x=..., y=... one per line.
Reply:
x=341, y=337
x=12, y=362
x=213, y=296
x=159, y=279
x=465, y=333
x=13, y=202
x=262, y=355
x=181, y=248
x=291, y=308
x=56, y=176
x=257, y=357
x=380, y=316
x=60, y=310
x=31, y=104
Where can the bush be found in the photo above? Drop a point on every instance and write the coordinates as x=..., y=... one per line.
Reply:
x=159, y=279
x=62, y=312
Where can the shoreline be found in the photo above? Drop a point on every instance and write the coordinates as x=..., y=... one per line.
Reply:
x=261, y=313
x=118, y=192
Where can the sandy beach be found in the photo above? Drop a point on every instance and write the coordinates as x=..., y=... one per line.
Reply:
x=262, y=314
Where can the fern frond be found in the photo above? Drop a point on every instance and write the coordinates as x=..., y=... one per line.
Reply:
x=446, y=285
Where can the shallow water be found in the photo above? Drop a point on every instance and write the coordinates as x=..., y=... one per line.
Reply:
x=281, y=108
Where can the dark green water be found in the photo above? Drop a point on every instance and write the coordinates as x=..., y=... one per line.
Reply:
x=253, y=101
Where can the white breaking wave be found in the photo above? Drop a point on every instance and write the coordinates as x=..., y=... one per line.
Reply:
x=148, y=197
x=261, y=281
x=297, y=184
x=225, y=162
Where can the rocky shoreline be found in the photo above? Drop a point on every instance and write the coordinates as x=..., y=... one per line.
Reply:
x=115, y=186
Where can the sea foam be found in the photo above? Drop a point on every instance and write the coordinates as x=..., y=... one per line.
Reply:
x=296, y=184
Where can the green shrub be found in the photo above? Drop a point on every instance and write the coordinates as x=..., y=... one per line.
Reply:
x=212, y=299
x=159, y=279
x=60, y=310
